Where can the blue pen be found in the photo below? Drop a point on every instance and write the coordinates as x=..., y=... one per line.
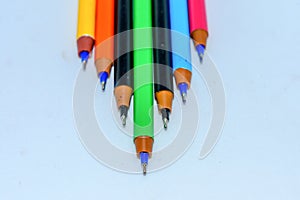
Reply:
x=182, y=67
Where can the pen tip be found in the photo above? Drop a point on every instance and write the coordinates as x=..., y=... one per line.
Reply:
x=123, y=119
x=144, y=169
x=103, y=76
x=165, y=121
x=84, y=55
x=200, y=49
x=144, y=156
x=183, y=88
x=183, y=95
x=84, y=64
x=103, y=83
x=201, y=57
x=123, y=114
x=165, y=116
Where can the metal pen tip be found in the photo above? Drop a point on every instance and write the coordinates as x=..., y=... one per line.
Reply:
x=165, y=117
x=123, y=114
x=84, y=64
x=103, y=85
x=144, y=169
x=165, y=121
x=201, y=57
x=183, y=95
x=123, y=119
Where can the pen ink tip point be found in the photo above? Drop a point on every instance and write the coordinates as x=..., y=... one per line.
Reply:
x=123, y=119
x=84, y=64
x=144, y=169
x=103, y=85
x=165, y=117
x=201, y=58
x=123, y=113
x=183, y=95
x=165, y=121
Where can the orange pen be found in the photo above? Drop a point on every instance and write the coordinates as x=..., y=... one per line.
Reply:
x=104, y=42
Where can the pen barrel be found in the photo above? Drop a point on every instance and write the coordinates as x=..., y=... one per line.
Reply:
x=197, y=15
x=123, y=65
x=180, y=35
x=104, y=32
x=163, y=73
x=86, y=18
x=162, y=57
x=143, y=78
x=123, y=70
x=86, y=25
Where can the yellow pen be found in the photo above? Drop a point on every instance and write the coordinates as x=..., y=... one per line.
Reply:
x=86, y=29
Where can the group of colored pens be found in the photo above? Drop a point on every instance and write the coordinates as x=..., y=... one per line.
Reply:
x=147, y=42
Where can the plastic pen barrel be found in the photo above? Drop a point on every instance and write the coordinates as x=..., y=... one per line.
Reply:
x=143, y=80
x=182, y=67
x=123, y=73
x=163, y=72
x=86, y=28
x=104, y=41
x=198, y=24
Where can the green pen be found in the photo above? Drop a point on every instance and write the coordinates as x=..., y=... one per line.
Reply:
x=143, y=80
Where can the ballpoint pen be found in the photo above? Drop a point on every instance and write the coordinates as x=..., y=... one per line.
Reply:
x=104, y=41
x=123, y=65
x=143, y=81
x=182, y=67
x=163, y=72
x=85, y=29
x=198, y=25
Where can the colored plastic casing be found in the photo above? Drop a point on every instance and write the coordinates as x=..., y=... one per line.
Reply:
x=123, y=65
x=143, y=78
x=181, y=44
x=198, y=24
x=86, y=28
x=163, y=71
x=104, y=41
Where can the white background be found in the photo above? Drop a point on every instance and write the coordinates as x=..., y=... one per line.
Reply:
x=255, y=45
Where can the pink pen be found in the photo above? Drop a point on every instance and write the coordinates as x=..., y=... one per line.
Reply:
x=198, y=25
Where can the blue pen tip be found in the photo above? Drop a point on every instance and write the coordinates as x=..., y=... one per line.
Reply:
x=84, y=55
x=200, y=49
x=103, y=76
x=183, y=87
x=144, y=156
